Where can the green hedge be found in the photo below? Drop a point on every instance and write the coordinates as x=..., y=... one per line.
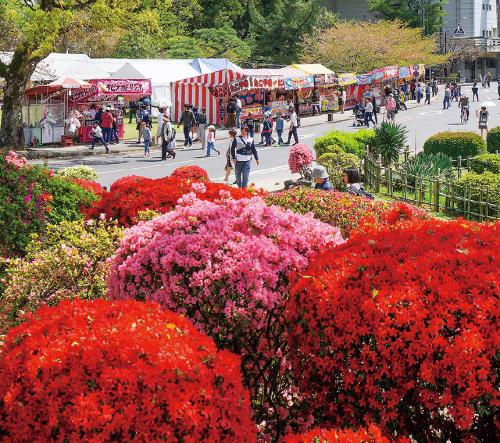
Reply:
x=352, y=143
x=493, y=139
x=479, y=187
x=486, y=162
x=455, y=144
x=335, y=163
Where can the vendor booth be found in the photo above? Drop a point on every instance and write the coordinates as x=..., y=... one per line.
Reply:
x=46, y=115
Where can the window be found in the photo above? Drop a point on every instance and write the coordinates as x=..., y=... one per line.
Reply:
x=469, y=65
x=491, y=63
x=489, y=7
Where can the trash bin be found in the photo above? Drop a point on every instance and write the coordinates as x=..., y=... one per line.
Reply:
x=330, y=116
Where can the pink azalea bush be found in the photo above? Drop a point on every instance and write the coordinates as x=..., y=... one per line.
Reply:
x=225, y=265
x=300, y=158
x=16, y=160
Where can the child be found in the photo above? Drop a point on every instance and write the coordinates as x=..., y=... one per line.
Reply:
x=146, y=134
x=251, y=126
x=229, y=164
x=211, y=140
x=96, y=133
x=280, y=127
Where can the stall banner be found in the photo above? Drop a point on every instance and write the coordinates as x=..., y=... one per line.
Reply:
x=299, y=83
x=108, y=90
x=348, y=78
x=385, y=73
x=278, y=106
x=252, y=112
x=325, y=79
x=404, y=72
x=364, y=79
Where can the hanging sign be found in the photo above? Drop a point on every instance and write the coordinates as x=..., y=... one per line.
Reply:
x=299, y=83
x=325, y=79
x=364, y=79
x=404, y=72
x=348, y=78
x=108, y=90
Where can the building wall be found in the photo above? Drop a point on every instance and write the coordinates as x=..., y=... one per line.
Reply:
x=350, y=9
x=475, y=16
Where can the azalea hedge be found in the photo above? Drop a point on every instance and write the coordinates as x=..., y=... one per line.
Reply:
x=398, y=326
x=225, y=266
x=123, y=371
x=31, y=197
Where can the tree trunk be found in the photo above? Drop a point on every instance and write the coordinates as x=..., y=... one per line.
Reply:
x=16, y=75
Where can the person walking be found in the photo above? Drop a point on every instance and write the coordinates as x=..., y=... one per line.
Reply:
x=159, y=126
x=222, y=113
x=239, y=109
x=267, y=129
x=344, y=99
x=447, y=97
x=188, y=121
x=114, y=139
x=202, y=124
x=211, y=141
x=369, y=113
x=107, y=124
x=132, y=111
x=488, y=79
x=475, y=91
x=146, y=136
x=231, y=113
x=483, y=120
x=374, y=102
x=168, y=139
x=280, y=127
x=294, y=123
x=97, y=136
x=427, y=94
x=242, y=151
x=229, y=164
x=315, y=102
x=434, y=87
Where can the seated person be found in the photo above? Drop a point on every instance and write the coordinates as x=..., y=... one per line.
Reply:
x=320, y=176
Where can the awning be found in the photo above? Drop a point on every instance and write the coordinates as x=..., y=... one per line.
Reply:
x=214, y=79
x=312, y=68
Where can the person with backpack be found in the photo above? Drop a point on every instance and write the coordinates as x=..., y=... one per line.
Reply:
x=242, y=151
x=168, y=138
x=188, y=121
x=267, y=128
x=353, y=183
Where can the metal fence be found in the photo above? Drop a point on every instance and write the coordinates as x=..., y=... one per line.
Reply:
x=435, y=193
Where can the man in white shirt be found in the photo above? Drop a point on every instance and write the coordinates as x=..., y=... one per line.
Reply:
x=344, y=99
x=239, y=108
x=294, y=124
x=98, y=138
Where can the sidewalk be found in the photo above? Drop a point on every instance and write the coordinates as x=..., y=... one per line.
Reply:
x=130, y=146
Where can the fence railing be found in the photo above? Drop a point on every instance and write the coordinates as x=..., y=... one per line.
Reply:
x=436, y=193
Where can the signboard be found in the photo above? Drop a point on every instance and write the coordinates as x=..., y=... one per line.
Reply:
x=325, y=79
x=364, y=79
x=108, y=90
x=404, y=72
x=348, y=78
x=459, y=31
x=299, y=83
x=417, y=70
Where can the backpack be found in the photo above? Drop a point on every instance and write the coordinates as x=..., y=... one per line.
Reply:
x=231, y=108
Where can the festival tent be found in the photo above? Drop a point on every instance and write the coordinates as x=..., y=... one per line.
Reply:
x=312, y=68
x=77, y=66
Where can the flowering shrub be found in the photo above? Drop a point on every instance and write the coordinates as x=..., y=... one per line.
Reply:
x=67, y=261
x=90, y=186
x=225, y=265
x=130, y=195
x=79, y=172
x=126, y=371
x=398, y=326
x=371, y=435
x=30, y=197
x=193, y=173
x=300, y=159
x=347, y=212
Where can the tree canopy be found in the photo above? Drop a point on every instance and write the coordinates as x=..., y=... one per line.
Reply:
x=362, y=46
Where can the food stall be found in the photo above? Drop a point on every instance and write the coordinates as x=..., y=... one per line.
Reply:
x=46, y=115
x=111, y=93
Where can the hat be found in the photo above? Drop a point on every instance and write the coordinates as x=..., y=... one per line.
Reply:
x=211, y=127
x=319, y=172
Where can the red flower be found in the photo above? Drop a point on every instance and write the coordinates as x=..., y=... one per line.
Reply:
x=90, y=185
x=370, y=435
x=193, y=173
x=399, y=325
x=101, y=371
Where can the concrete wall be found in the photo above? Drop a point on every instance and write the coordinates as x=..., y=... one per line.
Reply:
x=350, y=9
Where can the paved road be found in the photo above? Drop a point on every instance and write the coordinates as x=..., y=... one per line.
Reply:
x=421, y=122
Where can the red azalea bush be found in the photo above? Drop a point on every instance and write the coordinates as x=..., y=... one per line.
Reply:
x=90, y=185
x=346, y=211
x=398, y=326
x=193, y=173
x=300, y=158
x=130, y=195
x=225, y=265
x=370, y=435
x=124, y=371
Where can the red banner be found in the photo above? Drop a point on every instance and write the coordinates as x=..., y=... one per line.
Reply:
x=109, y=89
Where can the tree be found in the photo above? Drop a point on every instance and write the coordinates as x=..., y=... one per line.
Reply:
x=426, y=14
x=34, y=29
x=362, y=46
x=461, y=50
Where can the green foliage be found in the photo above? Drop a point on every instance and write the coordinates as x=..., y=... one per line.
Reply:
x=411, y=12
x=455, y=144
x=353, y=143
x=389, y=141
x=479, y=187
x=85, y=172
x=493, y=139
x=335, y=163
x=29, y=198
x=427, y=165
x=67, y=261
x=486, y=162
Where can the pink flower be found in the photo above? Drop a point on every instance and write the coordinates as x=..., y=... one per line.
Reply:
x=300, y=158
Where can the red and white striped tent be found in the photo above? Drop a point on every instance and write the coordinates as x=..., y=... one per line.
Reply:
x=197, y=91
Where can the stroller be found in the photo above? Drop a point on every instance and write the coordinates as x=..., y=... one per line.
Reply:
x=359, y=117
